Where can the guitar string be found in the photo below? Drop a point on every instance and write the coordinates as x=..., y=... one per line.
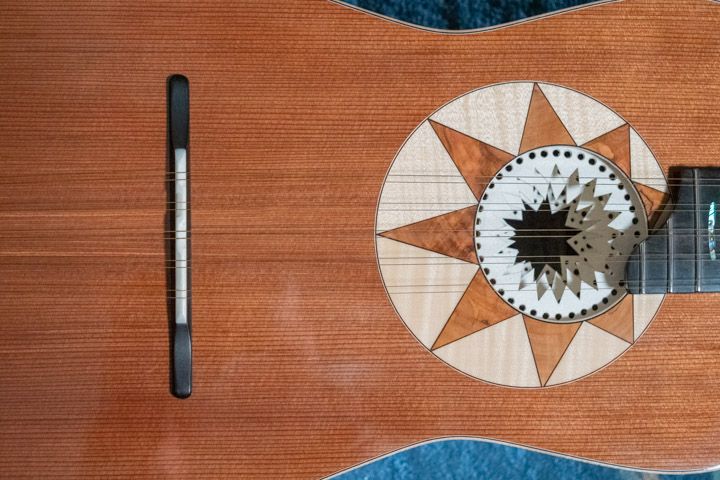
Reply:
x=163, y=235
x=507, y=290
x=233, y=229
x=442, y=259
x=507, y=286
x=102, y=234
x=171, y=264
x=647, y=284
x=250, y=169
x=619, y=289
x=661, y=205
x=222, y=174
x=205, y=259
x=435, y=230
x=199, y=209
x=449, y=289
x=196, y=183
x=224, y=179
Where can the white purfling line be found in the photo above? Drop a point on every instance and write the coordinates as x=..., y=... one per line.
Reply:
x=181, y=237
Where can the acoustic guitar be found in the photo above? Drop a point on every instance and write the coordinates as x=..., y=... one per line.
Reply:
x=383, y=235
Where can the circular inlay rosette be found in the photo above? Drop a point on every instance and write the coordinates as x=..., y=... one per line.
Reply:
x=503, y=230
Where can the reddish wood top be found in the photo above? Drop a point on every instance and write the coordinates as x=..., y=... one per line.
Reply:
x=302, y=367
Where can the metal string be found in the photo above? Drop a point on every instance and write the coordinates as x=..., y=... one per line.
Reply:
x=210, y=259
x=283, y=231
x=222, y=174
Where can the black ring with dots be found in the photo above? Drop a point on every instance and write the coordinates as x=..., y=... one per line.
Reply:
x=493, y=273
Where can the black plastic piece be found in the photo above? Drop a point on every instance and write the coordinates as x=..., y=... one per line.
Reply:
x=179, y=126
x=182, y=361
x=179, y=111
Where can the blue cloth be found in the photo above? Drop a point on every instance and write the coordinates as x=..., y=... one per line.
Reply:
x=475, y=460
x=464, y=459
x=462, y=14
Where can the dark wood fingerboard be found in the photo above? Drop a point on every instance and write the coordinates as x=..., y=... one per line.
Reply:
x=678, y=256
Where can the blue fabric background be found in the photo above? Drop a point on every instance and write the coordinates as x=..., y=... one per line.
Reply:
x=465, y=459
x=462, y=14
x=476, y=460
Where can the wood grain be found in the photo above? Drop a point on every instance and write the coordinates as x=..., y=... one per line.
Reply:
x=549, y=341
x=302, y=367
x=476, y=161
x=543, y=126
x=432, y=234
x=619, y=320
x=615, y=146
x=480, y=307
x=652, y=199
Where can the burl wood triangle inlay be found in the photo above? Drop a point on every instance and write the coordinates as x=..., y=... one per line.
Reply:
x=477, y=162
x=543, y=126
x=618, y=321
x=652, y=199
x=615, y=146
x=479, y=308
x=450, y=234
x=549, y=342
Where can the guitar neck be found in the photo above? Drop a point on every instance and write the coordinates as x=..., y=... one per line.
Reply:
x=679, y=256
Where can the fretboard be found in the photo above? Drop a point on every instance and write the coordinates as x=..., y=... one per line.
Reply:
x=679, y=256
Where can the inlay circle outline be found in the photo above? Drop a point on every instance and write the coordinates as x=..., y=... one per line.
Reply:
x=431, y=187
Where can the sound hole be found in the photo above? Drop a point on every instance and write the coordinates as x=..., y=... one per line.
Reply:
x=554, y=230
